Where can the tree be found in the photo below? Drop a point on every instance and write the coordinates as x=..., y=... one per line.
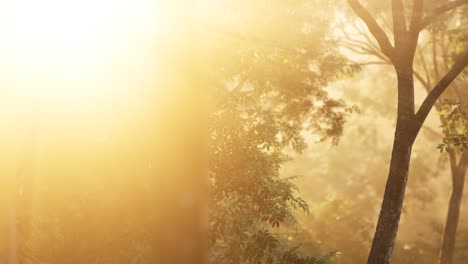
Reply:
x=268, y=91
x=343, y=215
x=453, y=119
x=439, y=46
x=401, y=55
x=454, y=123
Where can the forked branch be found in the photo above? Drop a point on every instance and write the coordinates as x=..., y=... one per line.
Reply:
x=374, y=28
x=440, y=88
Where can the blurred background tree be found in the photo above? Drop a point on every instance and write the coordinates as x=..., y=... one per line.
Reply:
x=274, y=64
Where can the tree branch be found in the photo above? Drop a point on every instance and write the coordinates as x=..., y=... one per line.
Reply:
x=440, y=88
x=418, y=9
x=399, y=21
x=422, y=81
x=376, y=51
x=374, y=28
x=439, y=11
x=423, y=62
x=435, y=56
x=373, y=63
x=364, y=33
x=364, y=51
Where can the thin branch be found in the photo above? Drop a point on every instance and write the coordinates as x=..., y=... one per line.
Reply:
x=364, y=51
x=434, y=56
x=372, y=46
x=358, y=50
x=444, y=51
x=422, y=81
x=440, y=88
x=423, y=62
x=356, y=43
x=364, y=33
x=361, y=45
x=374, y=28
x=426, y=86
x=366, y=63
x=439, y=11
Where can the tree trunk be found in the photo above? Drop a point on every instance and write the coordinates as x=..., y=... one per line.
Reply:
x=451, y=223
x=405, y=133
x=389, y=218
x=448, y=241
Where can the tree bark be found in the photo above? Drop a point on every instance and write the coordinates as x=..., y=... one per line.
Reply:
x=389, y=218
x=405, y=133
x=408, y=122
x=451, y=223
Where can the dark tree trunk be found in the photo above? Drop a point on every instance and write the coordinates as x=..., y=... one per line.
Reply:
x=409, y=122
x=448, y=240
x=451, y=223
x=389, y=218
x=390, y=212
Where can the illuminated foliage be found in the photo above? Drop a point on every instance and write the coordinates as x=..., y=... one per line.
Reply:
x=454, y=125
x=272, y=94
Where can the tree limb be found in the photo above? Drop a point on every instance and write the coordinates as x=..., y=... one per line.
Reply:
x=376, y=51
x=399, y=21
x=422, y=81
x=364, y=51
x=423, y=62
x=440, y=88
x=439, y=11
x=418, y=9
x=364, y=33
x=366, y=63
x=374, y=28
x=435, y=56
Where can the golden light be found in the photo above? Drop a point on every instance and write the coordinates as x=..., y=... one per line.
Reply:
x=69, y=68
x=73, y=51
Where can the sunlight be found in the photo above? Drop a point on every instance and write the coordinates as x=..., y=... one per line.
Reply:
x=70, y=50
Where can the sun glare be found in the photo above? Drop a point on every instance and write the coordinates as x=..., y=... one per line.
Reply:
x=75, y=50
